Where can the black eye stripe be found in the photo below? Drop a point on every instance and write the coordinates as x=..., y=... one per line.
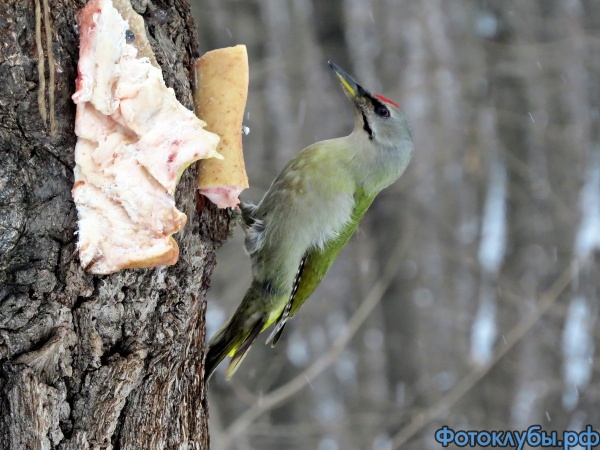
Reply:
x=376, y=103
x=380, y=109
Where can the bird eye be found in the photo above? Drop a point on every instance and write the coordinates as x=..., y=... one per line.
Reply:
x=382, y=111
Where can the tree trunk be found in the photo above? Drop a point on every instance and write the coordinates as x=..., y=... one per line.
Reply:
x=88, y=361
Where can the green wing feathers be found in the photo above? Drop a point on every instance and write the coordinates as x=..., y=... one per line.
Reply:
x=319, y=261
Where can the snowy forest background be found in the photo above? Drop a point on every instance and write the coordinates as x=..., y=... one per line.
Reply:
x=476, y=271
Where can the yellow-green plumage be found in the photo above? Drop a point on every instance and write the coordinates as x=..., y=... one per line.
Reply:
x=319, y=261
x=307, y=216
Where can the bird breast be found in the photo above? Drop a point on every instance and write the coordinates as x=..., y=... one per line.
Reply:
x=305, y=208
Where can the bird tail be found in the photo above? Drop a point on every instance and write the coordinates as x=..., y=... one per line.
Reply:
x=234, y=339
x=218, y=348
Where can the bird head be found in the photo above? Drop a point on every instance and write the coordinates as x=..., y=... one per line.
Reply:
x=378, y=118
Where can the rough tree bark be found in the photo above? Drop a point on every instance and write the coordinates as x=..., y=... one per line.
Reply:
x=88, y=361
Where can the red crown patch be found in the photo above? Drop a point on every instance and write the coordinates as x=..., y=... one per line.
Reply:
x=386, y=100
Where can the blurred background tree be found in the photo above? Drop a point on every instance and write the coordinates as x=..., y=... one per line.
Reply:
x=479, y=264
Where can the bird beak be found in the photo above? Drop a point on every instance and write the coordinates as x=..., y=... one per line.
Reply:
x=353, y=90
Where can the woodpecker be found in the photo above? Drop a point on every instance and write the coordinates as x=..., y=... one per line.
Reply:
x=307, y=216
